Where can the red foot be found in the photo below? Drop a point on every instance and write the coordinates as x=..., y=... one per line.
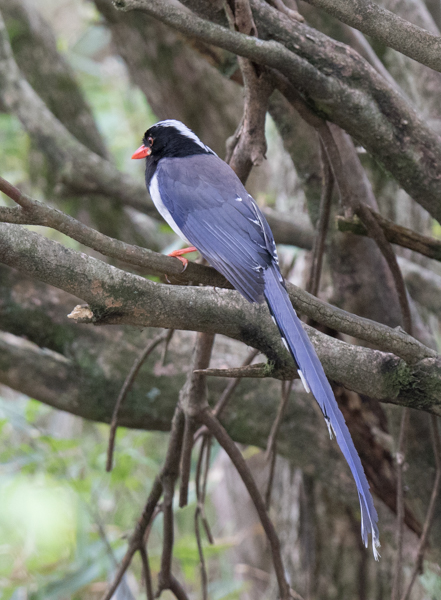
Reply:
x=177, y=254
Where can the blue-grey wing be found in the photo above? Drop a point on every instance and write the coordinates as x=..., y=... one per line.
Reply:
x=217, y=215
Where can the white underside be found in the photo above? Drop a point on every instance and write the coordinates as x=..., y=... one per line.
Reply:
x=162, y=209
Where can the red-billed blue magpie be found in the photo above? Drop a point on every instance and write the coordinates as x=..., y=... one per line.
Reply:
x=204, y=202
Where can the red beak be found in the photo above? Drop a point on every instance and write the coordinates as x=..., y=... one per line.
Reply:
x=142, y=152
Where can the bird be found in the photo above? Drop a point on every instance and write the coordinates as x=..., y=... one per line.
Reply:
x=205, y=203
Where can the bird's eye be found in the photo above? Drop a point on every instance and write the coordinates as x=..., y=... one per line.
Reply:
x=150, y=141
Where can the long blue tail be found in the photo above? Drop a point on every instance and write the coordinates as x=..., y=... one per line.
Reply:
x=314, y=379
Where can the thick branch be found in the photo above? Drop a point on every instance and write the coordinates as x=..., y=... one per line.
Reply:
x=384, y=26
x=119, y=297
x=396, y=234
x=248, y=422
x=381, y=336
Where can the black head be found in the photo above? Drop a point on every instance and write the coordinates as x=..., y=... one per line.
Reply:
x=170, y=139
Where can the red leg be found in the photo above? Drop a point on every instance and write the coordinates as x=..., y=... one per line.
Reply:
x=177, y=254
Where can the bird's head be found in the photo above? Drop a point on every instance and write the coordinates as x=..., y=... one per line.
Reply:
x=170, y=139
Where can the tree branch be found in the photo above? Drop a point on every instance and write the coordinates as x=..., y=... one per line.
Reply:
x=39, y=213
x=39, y=312
x=193, y=398
x=322, y=226
x=79, y=168
x=431, y=509
x=119, y=297
x=249, y=143
x=49, y=72
x=376, y=232
x=399, y=533
x=395, y=234
x=36, y=213
x=124, y=391
x=424, y=285
x=361, y=102
x=386, y=27
x=136, y=539
x=216, y=429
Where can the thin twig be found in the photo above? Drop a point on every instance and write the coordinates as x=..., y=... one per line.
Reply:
x=237, y=459
x=168, y=482
x=187, y=447
x=204, y=452
x=203, y=569
x=259, y=370
x=396, y=586
x=286, y=391
x=231, y=386
x=169, y=475
x=335, y=160
x=295, y=595
x=206, y=469
x=136, y=539
x=146, y=572
x=204, y=490
x=146, y=535
x=376, y=232
x=125, y=390
x=432, y=504
x=269, y=485
x=322, y=225
x=271, y=447
x=204, y=440
x=166, y=345
x=149, y=511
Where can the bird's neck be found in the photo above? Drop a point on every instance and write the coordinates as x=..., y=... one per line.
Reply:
x=151, y=164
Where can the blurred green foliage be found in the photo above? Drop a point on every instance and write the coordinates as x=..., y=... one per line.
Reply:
x=13, y=150
x=64, y=521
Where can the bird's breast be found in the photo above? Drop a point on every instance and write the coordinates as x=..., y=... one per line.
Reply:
x=162, y=208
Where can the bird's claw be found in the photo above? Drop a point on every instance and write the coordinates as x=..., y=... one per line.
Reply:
x=184, y=261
